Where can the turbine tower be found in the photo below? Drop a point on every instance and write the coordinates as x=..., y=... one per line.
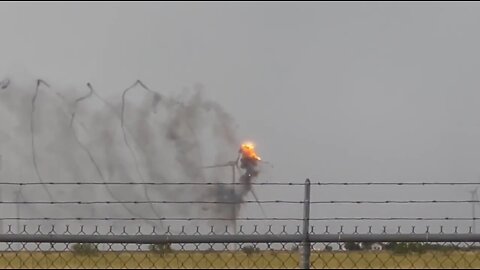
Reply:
x=233, y=164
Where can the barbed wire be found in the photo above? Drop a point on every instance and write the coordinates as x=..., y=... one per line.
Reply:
x=396, y=202
x=238, y=183
x=242, y=202
x=239, y=219
x=148, y=202
x=234, y=202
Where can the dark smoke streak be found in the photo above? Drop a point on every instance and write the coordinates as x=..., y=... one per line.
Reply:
x=78, y=100
x=130, y=149
x=122, y=121
x=92, y=159
x=32, y=131
x=84, y=147
x=132, y=153
x=184, y=126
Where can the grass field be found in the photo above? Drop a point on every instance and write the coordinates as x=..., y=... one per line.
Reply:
x=266, y=259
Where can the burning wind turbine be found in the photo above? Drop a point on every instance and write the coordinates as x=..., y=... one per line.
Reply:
x=247, y=160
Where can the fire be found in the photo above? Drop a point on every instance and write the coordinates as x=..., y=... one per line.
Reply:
x=248, y=150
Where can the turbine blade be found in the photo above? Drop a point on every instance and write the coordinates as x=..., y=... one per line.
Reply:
x=266, y=162
x=216, y=166
x=238, y=175
x=258, y=201
x=227, y=164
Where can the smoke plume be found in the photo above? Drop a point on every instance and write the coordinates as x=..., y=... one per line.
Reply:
x=59, y=134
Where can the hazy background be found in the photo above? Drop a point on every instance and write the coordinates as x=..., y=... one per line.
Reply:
x=329, y=91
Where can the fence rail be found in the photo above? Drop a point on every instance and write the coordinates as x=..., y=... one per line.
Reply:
x=206, y=239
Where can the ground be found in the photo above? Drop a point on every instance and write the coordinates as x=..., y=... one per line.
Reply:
x=263, y=259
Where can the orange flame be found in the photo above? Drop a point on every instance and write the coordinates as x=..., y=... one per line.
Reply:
x=248, y=150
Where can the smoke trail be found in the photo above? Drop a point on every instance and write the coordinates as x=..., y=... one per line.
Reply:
x=195, y=112
x=122, y=122
x=87, y=151
x=185, y=143
x=163, y=138
x=78, y=100
x=32, y=130
x=97, y=167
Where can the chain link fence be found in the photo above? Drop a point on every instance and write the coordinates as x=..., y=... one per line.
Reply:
x=92, y=247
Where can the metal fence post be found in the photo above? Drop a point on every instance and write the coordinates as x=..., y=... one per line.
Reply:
x=306, y=224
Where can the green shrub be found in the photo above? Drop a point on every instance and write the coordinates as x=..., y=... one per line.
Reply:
x=404, y=248
x=366, y=245
x=161, y=249
x=352, y=246
x=85, y=249
x=249, y=250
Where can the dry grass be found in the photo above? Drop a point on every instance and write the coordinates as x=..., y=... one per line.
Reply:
x=266, y=259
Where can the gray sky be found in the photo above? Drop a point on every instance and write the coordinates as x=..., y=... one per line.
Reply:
x=330, y=91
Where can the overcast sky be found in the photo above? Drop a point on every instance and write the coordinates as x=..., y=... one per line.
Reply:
x=331, y=91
